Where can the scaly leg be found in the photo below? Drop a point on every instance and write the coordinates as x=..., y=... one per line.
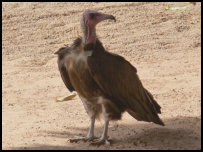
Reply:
x=90, y=135
x=104, y=138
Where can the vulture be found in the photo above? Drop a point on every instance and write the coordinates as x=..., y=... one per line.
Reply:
x=106, y=83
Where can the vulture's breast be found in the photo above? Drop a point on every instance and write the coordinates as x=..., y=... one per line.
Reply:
x=79, y=74
x=77, y=61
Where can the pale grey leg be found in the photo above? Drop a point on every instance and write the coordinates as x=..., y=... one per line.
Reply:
x=90, y=135
x=91, y=129
x=104, y=137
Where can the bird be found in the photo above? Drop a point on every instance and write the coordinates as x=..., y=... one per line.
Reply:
x=106, y=83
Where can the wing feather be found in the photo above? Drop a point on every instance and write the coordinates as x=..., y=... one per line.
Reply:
x=117, y=78
x=62, y=68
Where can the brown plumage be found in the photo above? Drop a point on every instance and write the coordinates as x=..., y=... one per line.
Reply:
x=118, y=79
x=105, y=82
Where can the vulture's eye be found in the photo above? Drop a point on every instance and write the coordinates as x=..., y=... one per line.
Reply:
x=92, y=15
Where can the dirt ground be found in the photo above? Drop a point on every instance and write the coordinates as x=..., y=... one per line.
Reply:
x=164, y=46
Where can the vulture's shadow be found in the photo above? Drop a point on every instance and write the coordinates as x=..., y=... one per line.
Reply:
x=174, y=135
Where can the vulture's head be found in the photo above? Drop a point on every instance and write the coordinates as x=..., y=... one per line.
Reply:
x=89, y=20
x=92, y=18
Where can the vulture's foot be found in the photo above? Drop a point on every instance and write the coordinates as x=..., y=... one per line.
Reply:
x=83, y=138
x=100, y=141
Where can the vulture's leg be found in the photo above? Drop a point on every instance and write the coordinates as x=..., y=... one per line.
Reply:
x=92, y=111
x=90, y=135
x=104, y=137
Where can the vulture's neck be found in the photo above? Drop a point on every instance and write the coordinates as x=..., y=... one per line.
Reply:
x=89, y=34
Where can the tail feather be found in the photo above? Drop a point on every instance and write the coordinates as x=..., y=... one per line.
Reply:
x=159, y=122
x=138, y=117
x=154, y=102
x=151, y=109
x=155, y=107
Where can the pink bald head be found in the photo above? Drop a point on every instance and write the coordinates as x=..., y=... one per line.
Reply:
x=89, y=21
x=92, y=18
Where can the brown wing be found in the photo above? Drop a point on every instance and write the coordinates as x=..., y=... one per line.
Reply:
x=62, y=68
x=118, y=79
x=62, y=52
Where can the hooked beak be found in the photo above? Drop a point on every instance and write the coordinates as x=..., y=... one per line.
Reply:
x=105, y=17
x=111, y=17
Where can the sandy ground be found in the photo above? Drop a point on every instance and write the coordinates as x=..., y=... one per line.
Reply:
x=164, y=46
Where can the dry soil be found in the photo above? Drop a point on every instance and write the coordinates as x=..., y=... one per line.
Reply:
x=164, y=46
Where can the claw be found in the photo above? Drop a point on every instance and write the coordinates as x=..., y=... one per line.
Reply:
x=83, y=138
x=100, y=141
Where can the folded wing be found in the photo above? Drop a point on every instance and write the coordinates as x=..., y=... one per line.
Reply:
x=118, y=79
x=62, y=68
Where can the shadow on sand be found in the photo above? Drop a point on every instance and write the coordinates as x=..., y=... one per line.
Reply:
x=175, y=135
